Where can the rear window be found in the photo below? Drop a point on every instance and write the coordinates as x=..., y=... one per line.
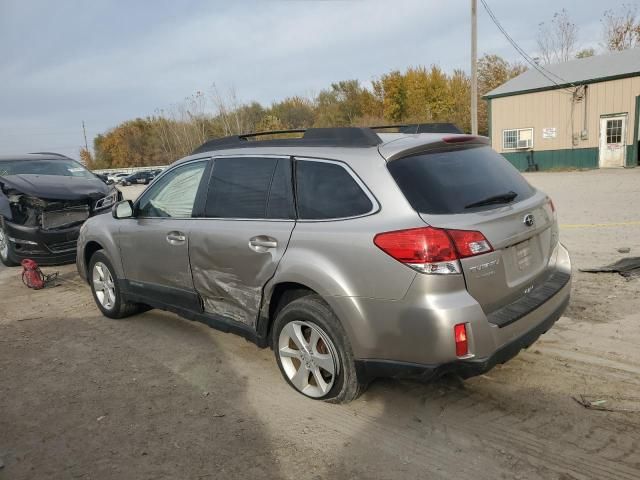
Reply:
x=447, y=181
x=326, y=190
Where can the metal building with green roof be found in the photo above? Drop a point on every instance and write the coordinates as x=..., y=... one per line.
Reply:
x=582, y=113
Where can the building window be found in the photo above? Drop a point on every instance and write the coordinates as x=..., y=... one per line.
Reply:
x=614, y=131
x=517, y=138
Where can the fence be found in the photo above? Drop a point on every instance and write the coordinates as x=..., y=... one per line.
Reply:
x=110, y=171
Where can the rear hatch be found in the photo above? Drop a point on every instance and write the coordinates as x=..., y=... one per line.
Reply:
x=471, y=187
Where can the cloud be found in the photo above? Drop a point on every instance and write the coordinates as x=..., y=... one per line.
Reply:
x=106, y=62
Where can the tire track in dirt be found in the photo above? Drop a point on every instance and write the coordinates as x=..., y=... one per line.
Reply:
x=437, y=452
x=482, y=428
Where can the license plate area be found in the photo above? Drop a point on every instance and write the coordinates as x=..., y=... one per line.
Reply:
x=523, y=255
x=522, y=261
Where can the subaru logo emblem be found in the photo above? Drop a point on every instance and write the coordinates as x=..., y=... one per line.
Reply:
x=529, y=220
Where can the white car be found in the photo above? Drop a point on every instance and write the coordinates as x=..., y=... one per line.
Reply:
x=116, y=177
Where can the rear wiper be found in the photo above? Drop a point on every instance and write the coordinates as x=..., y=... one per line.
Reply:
x=502, y=198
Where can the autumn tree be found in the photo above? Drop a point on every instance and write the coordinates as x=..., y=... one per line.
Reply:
x=86, y=158
x=293, y=112
x=417, y=95
x=460, y=94
x=493, y=71
x=586, y=52
x=622, y=29
x=557, y=40
x=344, y=104
x=132, y=143
x=391, y=89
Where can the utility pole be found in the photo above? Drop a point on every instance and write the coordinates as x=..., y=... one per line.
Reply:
x=474, y=67
x=84, y=132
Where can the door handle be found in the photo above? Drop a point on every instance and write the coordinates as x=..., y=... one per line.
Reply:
x=262, y=242
x=176, y=238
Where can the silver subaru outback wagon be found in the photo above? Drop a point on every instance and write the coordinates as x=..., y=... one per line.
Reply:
x=353, y=253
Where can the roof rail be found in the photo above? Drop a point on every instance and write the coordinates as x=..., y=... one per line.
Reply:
x=311, y=137
x=421, y=128
x=50, y=153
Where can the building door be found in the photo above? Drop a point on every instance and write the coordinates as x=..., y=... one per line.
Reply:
x=612, y=141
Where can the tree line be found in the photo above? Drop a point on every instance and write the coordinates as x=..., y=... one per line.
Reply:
x=418, y=94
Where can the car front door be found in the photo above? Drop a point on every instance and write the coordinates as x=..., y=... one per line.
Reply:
x=245, y=228
x=154, y=244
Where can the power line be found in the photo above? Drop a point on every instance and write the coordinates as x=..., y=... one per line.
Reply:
x=544, y=72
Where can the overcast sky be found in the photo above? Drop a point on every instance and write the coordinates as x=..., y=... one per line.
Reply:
x=103, y=62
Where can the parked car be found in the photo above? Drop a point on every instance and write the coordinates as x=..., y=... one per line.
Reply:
x=144, y=177
x=114, y=178
x=352, y=254
x=44, y=198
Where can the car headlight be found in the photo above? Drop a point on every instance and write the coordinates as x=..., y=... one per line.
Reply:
x=106, y=202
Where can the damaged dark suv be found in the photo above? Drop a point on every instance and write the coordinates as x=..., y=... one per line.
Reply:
x=44, y=199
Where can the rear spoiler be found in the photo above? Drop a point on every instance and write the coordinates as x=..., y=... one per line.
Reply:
x=414, y=144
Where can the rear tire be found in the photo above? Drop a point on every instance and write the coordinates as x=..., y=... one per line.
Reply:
x=6, y=249
x=106, y=290
x=313, y=352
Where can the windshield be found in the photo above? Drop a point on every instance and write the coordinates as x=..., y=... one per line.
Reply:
x=454, y=180
x=59, y=167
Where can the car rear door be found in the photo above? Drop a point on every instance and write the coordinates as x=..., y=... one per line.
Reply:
x=448, y=188
x=243, y=232
x=154, y=245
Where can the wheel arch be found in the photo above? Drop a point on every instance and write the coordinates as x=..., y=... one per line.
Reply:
x=278, y=296
x=89, y=250
x=283, y=290
x=5, y=208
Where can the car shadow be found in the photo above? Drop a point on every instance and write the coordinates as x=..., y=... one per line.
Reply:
x=144, y=397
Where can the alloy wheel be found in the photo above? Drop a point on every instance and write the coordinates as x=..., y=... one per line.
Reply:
x=103, y=285
x=308, y=358
x=4, y=244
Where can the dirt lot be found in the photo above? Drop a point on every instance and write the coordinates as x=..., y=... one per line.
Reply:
x=155, y=396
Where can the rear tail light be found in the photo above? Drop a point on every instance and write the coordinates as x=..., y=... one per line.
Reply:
x=432, y=250
x=469, y=243
x=460, y=335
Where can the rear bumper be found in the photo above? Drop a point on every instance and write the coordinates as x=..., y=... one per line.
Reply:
x=414, y=336
x=367, y=370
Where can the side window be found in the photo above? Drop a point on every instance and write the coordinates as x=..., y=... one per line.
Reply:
x=250, y=187
x=327, y=190
x=174, y=194
x=280, y=202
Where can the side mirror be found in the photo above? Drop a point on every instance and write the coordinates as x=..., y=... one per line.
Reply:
x=123, y=209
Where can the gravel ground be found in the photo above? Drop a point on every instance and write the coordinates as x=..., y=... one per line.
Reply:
x=155, y=396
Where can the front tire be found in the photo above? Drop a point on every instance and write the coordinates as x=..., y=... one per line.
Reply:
x=313, y=352
x=6, y=249
x=106, y=289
